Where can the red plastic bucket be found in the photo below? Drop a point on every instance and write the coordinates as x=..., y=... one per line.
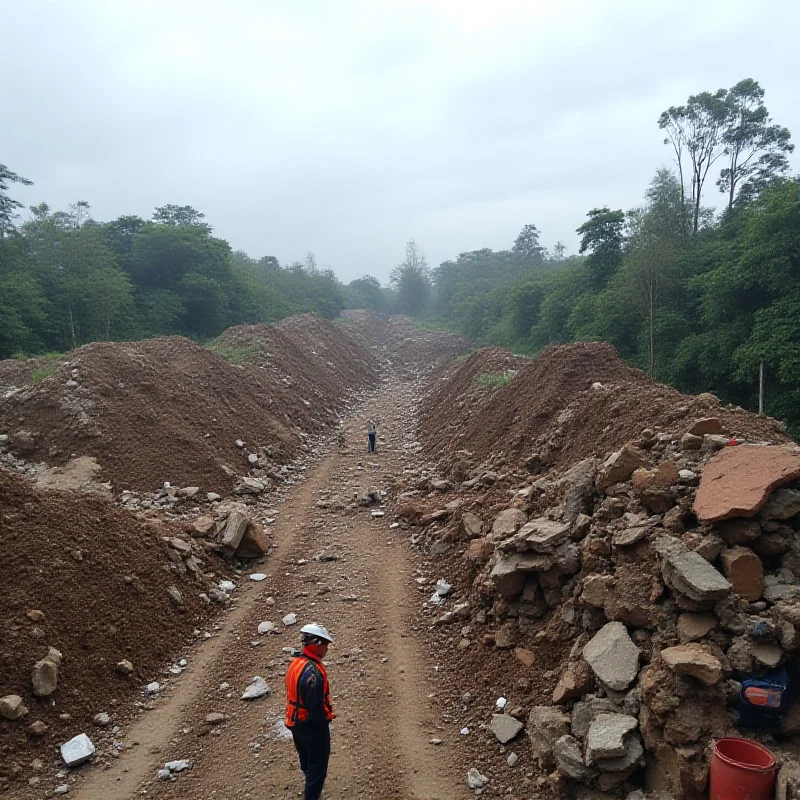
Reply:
x=742, y=770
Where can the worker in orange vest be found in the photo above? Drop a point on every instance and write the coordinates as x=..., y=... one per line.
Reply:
x=308, y=708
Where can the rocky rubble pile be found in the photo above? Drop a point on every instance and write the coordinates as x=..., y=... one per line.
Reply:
x=93, y=604
x=636, y=592
x=401, y=340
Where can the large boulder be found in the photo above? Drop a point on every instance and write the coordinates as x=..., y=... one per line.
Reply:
x=613, y=656
x=738, y=481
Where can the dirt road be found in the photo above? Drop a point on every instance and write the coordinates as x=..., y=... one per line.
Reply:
x=383, y=685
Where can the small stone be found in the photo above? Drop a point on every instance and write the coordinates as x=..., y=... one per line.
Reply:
x=257, y=689
x=512, y=759
x=290, y=619
x=12, y=707
x=101, y=720
x=569, y=759
x=266, y=627
x=767, y=654
x=215, y=718
x=691, y=442
x=44, y=676
x=153, y=688
x=178, y=766
x=164, y=774
x=124, y=667
x=527, y=657
x=702, y=427
x=505, y=727
x=175, y=595
x=34, y=615
x=475, y=780
x=213, y=497
x=77, y=750
x=38, y=728
x=258, y=577
x=61, y=789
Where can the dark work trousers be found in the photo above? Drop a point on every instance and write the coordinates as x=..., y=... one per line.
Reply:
x=371, y=437
x=313, y=744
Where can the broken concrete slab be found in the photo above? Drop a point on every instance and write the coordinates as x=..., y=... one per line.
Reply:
x=546, y=725
x=606, y=737
x=689, y=574
x=541, y=535
x=234, y=530
x=613, y=656
x=695, y=625
x=507, y=523
x=738, y=481
x=575, y=682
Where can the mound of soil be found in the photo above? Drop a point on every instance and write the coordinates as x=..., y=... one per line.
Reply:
x=571, y=402
x=99, y=576
x=335, y=360
x=170, y=410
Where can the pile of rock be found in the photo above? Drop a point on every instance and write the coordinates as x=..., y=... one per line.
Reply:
x=230, y=531
x=675, y=566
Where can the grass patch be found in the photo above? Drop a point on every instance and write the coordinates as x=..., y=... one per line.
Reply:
x=236, y=355
x=489, y=380
x=40, y=374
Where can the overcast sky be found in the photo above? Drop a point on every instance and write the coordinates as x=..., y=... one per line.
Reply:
x=347, y=127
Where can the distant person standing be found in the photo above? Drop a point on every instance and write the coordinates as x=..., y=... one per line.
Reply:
x=371, y=435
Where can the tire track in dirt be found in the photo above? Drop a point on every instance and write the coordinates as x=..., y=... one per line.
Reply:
x=379, y=679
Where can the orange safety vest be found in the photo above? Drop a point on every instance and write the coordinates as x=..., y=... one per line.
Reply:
x=295, y=710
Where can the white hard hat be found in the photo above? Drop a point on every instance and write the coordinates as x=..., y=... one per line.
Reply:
x=318, y=631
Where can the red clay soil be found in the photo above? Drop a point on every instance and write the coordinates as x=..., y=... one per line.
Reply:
x=67, y=556
x=171, y=410
x=550, y=407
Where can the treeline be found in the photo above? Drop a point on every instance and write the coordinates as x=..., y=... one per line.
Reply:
x=698, y=300
x=66, y=279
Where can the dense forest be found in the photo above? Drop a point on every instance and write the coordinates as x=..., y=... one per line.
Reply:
x=705, y=301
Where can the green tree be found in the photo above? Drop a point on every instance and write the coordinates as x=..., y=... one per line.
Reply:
x=696, y=131
x=368, y=293
x=602, y=235
x=755, y=149
x=8, y=206
x=411, y=281
x=527, y=244
x=180, y=215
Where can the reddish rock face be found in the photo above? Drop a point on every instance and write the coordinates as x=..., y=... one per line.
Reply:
x=738, y=481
